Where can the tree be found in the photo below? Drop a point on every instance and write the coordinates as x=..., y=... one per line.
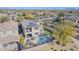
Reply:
x=3, y=19
x=58, y=19
x=28, y=16
x=19, y=18
x=70, y=11
x=61, y=14
x=63, y=31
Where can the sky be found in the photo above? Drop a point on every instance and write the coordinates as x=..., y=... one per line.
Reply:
x=35, y=8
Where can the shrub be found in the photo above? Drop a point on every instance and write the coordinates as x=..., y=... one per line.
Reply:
x=21, y=41
x=72, y=49
x=3, y=19
x=61, y=14
x=55, y=49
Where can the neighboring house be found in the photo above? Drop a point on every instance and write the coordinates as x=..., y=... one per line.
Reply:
x=12, y=16
x=30, y=29
x=73, y=17
x=8, y=33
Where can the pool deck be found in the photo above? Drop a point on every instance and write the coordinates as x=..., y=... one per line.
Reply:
x=48, y=46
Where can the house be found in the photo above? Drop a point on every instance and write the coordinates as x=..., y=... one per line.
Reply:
x=8, y=33
x=30, y=29
x=12, y=16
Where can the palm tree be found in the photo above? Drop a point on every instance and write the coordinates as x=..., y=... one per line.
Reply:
x=63, y=31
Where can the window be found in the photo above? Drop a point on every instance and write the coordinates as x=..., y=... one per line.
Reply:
x=28, y=29
x=29, y=35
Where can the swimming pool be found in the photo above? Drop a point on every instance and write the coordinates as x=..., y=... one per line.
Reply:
x=43, y=39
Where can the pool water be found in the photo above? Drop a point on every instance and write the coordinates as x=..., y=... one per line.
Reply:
x=43, y=39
